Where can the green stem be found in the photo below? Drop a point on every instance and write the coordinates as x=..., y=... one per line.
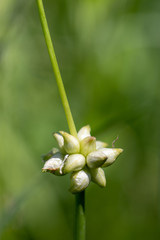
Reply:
x=80, y=221
x=56, y=70
x=80, y=197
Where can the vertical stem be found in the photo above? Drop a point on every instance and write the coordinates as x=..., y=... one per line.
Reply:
x=56, y=70
x=80, y=221
x=80, y=197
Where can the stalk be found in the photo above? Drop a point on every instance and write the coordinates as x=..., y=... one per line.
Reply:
x=56, y=70
x=80, y=220
x=80, y=197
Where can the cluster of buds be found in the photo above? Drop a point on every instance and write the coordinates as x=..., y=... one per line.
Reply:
x=82, y=156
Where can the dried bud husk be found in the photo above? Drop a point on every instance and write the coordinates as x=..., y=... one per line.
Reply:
x=88, y=145
x=74, y=162
x=98, y=176
x=84, y=132
x=71, y=144
x=47, y=156
x=54, y=165
x=111, y=154
x=96, y=159
x=100, y=144
x=79, y=181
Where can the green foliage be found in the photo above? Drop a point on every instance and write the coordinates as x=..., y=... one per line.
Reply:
x=108, y=53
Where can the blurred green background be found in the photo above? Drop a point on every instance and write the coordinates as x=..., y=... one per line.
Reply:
x=109, y=55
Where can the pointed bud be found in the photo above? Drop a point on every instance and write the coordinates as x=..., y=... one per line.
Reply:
x=88, y=145
x=84, y=132
x=100, y=144
x=54, y=164
x=71, y=144
x=60, y=140
x=98, y=176
x=111, y=154
x=79, y=181
x=74, y=162
x=96, y=159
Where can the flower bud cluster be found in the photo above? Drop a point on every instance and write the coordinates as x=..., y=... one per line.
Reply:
x=83, y=157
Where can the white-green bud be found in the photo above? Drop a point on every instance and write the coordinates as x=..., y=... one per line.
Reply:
x=100, y=144
x=71, y=143
x=111, y=154
x=96, y=159
x=88, y=145
x=79, y=181
x=74, y=162
x=81, y=155
x=54, y=164
x=84, y=132
x=60, y=140
x=98, y=176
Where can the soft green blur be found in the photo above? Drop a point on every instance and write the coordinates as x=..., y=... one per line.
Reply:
x=109, y=55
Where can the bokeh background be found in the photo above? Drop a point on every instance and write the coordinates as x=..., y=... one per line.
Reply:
x=109, y=55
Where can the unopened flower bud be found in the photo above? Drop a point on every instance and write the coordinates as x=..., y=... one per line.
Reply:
x=71, y=144
x=54, y=164
x=96, y=159
x=84, y=132
x=74, y=162
x=79, y=181
x=111, y=154
x=60, y=140
x=100, y=144
x=88, y=145
x=98, y=176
